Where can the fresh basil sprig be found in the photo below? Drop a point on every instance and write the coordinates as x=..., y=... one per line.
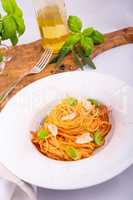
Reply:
x=80, y=43
x=12, y=24
x=75, y=24
x=73, y=153
x=76, y=59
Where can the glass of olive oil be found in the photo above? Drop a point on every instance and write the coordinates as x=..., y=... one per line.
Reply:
x=51, y=18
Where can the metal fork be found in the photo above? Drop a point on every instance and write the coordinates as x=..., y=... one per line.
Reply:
x=35, y=70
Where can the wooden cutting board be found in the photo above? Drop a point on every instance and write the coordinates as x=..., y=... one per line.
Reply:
x=26, y=56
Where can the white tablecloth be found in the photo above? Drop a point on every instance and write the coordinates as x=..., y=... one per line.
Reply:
x=105, y=15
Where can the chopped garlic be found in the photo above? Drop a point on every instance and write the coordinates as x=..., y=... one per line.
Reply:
x=85, y=138
x=69, y=117
x=53, y=129
x=87, y=105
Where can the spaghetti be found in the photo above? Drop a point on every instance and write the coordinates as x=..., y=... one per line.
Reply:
x=73, y=129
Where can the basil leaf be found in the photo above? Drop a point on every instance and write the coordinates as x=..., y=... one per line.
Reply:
x=72, y=101
x=88, y=32
x=1, y=27
x=67, y=47
x=94, y=102
x=98, y=138
x=87, y=45
x=98, y=38
x=14, y=39
x=20, y=24
x=6, y=4
x=1, y=58
x=42, y=134
x=73, y=39
x=12, y=23
x=73, y=153
x=16, y=10
x=9, y=26
x=64, y=51
x=75, y=24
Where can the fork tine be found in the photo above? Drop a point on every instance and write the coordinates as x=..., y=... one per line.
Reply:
x=41, y=63
x=42, y=66
x=49, y=55
x=45, y=61
x=44, y=58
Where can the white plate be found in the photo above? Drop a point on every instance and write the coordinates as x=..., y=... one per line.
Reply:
x=25, y=110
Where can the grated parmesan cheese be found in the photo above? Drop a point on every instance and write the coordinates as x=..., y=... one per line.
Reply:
x=85, y=138
x=53, y=129
x=87, y=105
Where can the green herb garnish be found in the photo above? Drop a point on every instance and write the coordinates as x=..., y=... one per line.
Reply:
x=85, y=40
x=76, y=59
x=72, y=101
x=94, y=102
x=67, y=48
x=98, y=138
x=75, y=24
x=73, y=153
x=87, y=32
x=12, y=24
x=97, y=37
x=42, y=134
x=87, y=44
x=1, y=58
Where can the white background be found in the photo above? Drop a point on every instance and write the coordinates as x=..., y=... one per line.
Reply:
x=106, y=16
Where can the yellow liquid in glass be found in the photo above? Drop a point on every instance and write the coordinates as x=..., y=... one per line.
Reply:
x=53, y=27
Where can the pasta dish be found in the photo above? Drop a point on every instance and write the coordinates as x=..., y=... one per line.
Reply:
x=73, y=129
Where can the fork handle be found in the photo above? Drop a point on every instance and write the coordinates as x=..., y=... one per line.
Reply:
x=5, y=93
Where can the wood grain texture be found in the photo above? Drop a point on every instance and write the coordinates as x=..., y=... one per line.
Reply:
x=25, y=57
